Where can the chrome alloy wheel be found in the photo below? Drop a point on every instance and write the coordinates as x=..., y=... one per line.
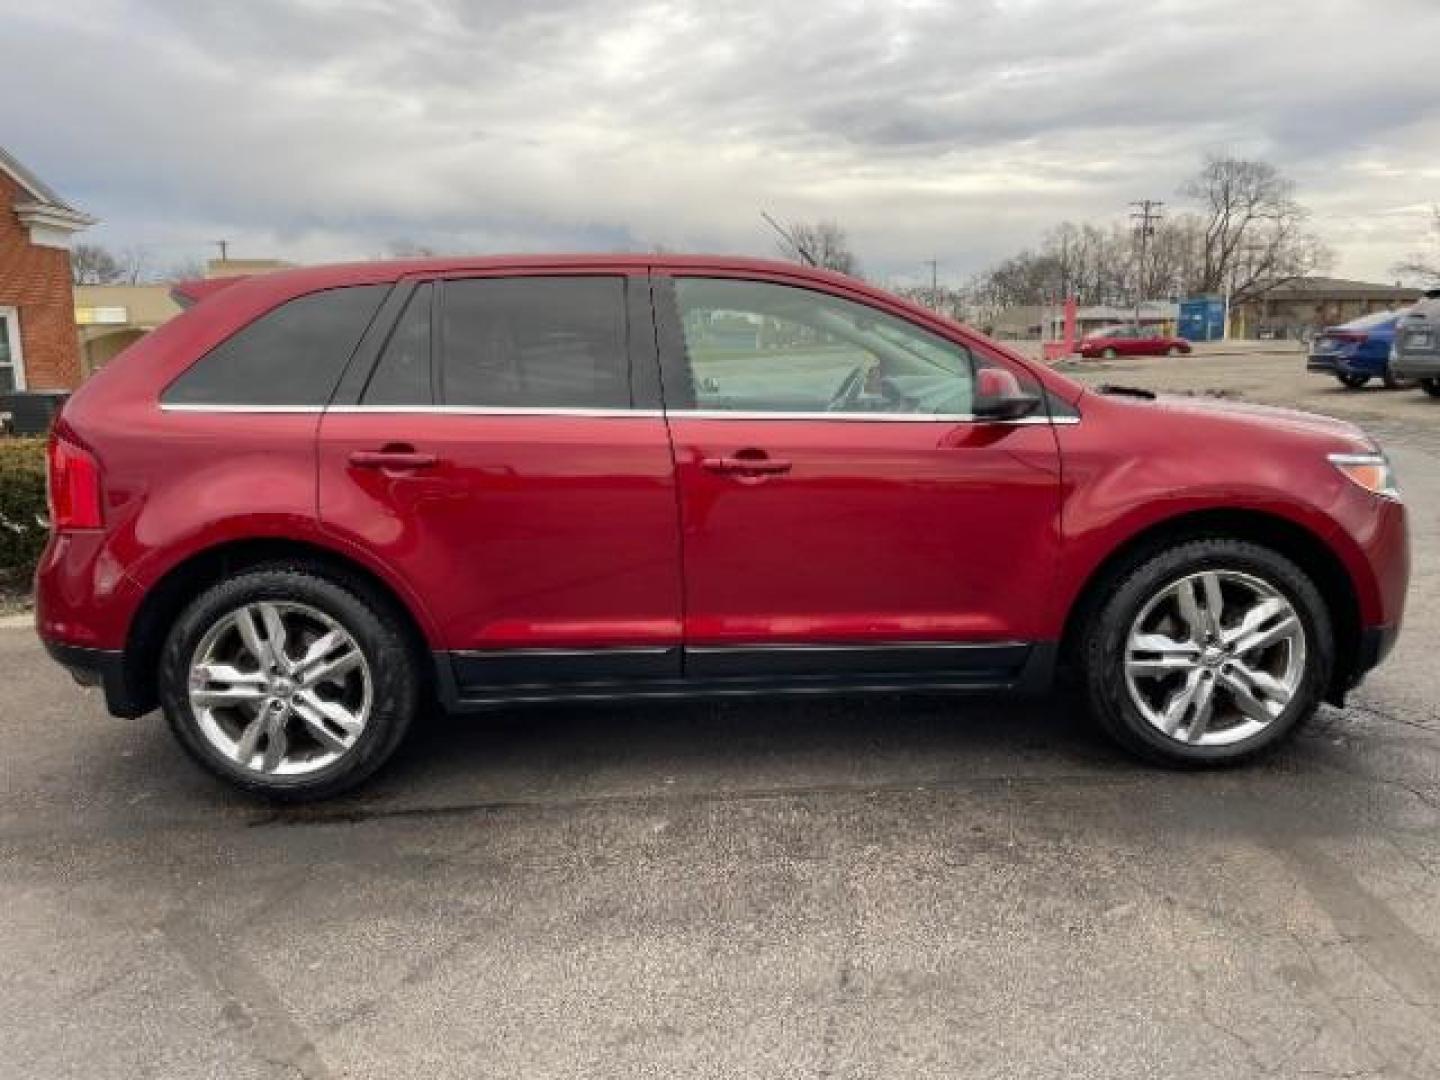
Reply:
x=280, y=688
x=1215, y=658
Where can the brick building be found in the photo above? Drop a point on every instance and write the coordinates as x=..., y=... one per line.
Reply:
x=38, y=350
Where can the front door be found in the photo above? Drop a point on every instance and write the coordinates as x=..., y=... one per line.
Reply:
x=501, y=459
x=842, y=509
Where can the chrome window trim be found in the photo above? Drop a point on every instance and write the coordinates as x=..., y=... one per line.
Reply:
x=498, y=410
x=600, y=414
x=194, y=407
x=865, y=417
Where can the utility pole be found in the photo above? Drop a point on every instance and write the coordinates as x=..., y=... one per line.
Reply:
x=934, y=265
x=1146, y=217
x=224, y=246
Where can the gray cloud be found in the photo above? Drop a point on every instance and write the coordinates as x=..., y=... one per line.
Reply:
x=323, y=128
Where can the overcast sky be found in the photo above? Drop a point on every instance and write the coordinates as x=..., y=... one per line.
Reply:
x=325, y=129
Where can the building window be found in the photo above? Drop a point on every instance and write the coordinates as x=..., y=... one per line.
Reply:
x=12, y=367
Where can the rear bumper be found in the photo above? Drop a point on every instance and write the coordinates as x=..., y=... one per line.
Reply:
x=104, y=668
x=1340, y=364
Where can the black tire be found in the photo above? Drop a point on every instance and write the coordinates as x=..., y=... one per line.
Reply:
x=1173, y=350
x=1102, y=647
x=1109, y=354
x=389, y=651
x=1392, y=383
x=1431, y=386
x=1353, y=382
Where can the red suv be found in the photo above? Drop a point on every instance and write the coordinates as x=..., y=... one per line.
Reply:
x=322, y=500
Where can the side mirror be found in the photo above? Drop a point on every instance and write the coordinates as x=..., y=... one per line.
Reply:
x=999, y=396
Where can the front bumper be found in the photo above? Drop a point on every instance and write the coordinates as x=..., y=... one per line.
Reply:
x=99, y=667
x=1375, y=645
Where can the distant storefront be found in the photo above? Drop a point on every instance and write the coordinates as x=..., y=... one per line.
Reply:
x=1298, y=308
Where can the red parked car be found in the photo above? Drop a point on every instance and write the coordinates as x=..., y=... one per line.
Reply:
x=1115, y=341
x=322, y=500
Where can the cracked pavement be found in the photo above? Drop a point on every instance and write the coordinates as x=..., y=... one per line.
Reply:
x=872, y=887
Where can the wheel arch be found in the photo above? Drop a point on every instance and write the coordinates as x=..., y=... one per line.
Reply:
x=1300, y=545
x=179, y=585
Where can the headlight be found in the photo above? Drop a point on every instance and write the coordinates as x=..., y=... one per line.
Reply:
x=1371, y=471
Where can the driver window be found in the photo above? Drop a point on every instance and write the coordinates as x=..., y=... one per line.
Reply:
x=758, y=347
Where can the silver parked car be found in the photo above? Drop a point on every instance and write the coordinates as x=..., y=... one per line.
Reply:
x=1416, y=352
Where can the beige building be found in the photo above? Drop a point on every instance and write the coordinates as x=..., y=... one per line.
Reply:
x=110, y=317
x=1309, y=304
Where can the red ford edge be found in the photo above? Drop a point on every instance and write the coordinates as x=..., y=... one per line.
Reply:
x=323, y=500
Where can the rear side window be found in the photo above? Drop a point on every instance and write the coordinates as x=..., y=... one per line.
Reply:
x=291, y=356
x=535, y=342
x=403, y=375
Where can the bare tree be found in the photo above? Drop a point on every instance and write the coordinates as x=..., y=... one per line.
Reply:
x=1255, y=235
x=1421, y=266
x=824, y=243
x=91, y=264
x=405, y=248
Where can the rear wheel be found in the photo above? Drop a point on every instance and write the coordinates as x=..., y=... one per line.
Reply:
x=288, y=684
x=1353, y=382
x=1109, y=354
x=1207, y=653
x=1392, y=383
x=1431, y=386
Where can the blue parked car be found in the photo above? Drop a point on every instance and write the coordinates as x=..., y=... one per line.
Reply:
x=1358, y=351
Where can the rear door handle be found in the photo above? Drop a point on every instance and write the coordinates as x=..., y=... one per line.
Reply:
x=746, y=466
x=392, y=459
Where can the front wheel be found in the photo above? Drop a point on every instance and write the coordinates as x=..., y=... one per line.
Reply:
x=289, y=684
x=1353, y=382
x=1207, y=653
x=1173, y=350
x=1431, y=386
x=1109, y=354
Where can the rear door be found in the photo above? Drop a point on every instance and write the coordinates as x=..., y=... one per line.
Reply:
x=843, y=510
x=503, y=453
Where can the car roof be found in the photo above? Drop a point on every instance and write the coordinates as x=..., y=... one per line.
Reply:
x=306, y=278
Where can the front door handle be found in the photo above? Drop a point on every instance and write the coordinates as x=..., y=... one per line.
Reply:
x=395, y=459
x=746, y=466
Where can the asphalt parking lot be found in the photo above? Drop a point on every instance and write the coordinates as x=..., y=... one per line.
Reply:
x=881, y=887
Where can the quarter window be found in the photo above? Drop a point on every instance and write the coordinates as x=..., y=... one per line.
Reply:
x=292, y=356
x=535, y=342
x=761, y=347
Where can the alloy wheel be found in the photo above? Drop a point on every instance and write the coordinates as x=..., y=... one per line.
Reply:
x=1215, y=658
x=280, y=688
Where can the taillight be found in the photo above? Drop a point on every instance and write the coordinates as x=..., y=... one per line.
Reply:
x=74, y=485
